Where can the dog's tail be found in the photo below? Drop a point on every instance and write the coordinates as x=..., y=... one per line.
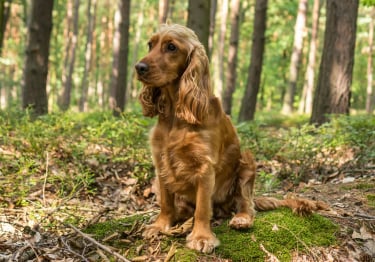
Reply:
x=300, y=206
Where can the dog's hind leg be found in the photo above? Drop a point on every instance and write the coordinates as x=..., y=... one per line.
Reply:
x=244, y=194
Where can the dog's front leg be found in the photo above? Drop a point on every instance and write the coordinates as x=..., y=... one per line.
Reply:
x=202, y=237
x=166, y=216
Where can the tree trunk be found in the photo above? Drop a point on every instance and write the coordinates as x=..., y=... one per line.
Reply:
x=199, y=19
x=131, y=82
x=332, y=95
x=34, y=93
x=4, y=16
x=88, y=56
x=212, y=28
x=232, y=56
x=64, y=99
x=308, y=87
x=369, y=96
x=219, y=83
x=249, y=100
x=299, y=31
x=120, y=57
x=163, y=11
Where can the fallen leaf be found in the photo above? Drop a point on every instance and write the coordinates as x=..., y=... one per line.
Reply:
x=171, y=252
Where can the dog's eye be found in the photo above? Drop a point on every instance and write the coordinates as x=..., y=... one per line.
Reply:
x=171, y=47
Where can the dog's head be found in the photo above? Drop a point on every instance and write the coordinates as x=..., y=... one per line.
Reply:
x=176, y=58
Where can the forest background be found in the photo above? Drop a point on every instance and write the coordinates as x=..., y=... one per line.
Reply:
x=87, y=63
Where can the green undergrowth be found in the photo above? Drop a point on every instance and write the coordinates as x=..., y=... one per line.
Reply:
x=72, y=149
x=69, y=150
x=280, y=232
x=303, y=151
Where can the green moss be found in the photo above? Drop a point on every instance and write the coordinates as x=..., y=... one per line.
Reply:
x=359, y=186
x=371, y=200
x=292, y=233
x=105, y=229
x=280, y=232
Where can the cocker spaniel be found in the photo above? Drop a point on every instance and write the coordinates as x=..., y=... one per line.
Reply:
x=200, y=168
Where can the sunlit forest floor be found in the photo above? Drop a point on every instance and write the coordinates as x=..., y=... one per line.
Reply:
x=78, y=187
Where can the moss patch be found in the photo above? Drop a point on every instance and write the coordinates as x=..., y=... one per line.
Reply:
x=371, y=200
x=359, y=186
x=280, y=232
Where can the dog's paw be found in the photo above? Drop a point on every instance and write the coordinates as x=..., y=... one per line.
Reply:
x=202, y=243
x=241, y=221
x=152, y=231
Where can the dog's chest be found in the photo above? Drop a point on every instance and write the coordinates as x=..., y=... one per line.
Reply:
x=181, y=157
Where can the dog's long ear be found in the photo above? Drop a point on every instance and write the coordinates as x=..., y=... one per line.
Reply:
x=195, y=89
x=150, y=100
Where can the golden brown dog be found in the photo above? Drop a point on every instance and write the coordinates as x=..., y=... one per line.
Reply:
x=200, y=169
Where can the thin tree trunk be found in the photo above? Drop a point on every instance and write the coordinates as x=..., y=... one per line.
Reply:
x=120, y=57
x=220, y=54
x=4, y=16
x=131, y=86
x=232, y=56
x=369, y=97
x=163, y=11
x=308, y=87
x=199, y=19
x=64, y=100
x=34, y=92
x=88, y=56
x=332, y=95
x=249, y=100
x=296, y=57
x=212, y=28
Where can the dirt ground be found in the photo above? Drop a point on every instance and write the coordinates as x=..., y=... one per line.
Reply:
x=353, y=208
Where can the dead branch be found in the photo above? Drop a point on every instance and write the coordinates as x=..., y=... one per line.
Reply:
x=96, y=243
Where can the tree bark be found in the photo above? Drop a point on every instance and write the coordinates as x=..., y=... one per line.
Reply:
x=249, y=100
x=332, y=95
x=212, y=28
x=64, y=99
x=299, y=32
x=91, y=5
x=308, y=87
x=131, y=82
x=4, y=16
x=120, y=58
x=199, y=19
x=163, y=11
x=369, y=95
x=34, y=92
x=232, y=56
x=221, y=50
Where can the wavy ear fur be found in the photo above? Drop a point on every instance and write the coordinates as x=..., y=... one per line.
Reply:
x=150, y=101
x=195, y=89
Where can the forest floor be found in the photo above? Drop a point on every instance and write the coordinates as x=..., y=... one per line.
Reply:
x=351, y=198
x=79, y=188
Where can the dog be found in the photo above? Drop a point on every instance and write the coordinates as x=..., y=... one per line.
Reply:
x=200, y=169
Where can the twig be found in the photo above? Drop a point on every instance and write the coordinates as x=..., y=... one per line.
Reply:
x=96, y=243
x=72, y=251
x=271, y=257
x=315, y=257
x=45, y=180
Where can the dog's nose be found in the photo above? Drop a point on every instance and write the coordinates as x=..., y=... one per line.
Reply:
x=141, y=68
